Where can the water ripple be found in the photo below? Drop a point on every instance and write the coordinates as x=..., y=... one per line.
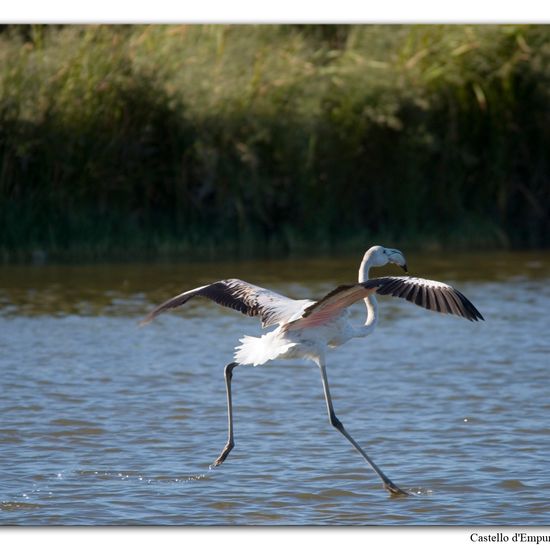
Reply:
x=107, y=424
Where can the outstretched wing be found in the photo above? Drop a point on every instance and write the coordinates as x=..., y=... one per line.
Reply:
x=249, y=299
x=431, y=295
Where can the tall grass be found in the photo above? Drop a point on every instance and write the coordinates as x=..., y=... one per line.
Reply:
x=124, y=140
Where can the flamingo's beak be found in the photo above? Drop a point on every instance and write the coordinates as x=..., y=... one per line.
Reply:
x=405, y=269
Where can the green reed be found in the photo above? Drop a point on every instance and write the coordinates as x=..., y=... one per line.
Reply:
x=136, y=140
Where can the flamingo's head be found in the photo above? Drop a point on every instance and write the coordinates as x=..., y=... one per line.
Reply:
x=379, y=256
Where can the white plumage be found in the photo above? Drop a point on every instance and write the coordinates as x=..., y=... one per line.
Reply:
x=257, y=351
x=305, y=328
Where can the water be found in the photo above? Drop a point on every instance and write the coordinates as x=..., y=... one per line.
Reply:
x=104, y=423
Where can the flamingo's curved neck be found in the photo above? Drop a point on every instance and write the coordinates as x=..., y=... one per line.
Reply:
x=370, y=301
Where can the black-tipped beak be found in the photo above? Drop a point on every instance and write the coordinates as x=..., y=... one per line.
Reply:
x=405, y=269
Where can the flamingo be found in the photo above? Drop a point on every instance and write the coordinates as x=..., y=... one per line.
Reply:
x=306, y=328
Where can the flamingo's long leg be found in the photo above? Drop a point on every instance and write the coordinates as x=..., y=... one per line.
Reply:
x=228, y=372
x=391, y=487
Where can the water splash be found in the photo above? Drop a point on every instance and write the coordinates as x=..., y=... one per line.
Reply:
x=420, y=491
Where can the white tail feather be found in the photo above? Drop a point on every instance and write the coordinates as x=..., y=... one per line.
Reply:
x=257, y=351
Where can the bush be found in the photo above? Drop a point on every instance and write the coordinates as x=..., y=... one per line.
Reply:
x=156, y=139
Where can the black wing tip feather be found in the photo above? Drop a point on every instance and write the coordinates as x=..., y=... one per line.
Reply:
x=149, y=317
x=174, y=302
x=472, y=310
x=231, y=293
x=169, y=304
x=443, y=300
x=145, y=321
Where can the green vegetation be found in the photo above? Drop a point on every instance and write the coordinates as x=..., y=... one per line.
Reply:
x=148, y=140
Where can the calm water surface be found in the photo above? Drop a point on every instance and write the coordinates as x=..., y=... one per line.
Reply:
x=104, y=423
